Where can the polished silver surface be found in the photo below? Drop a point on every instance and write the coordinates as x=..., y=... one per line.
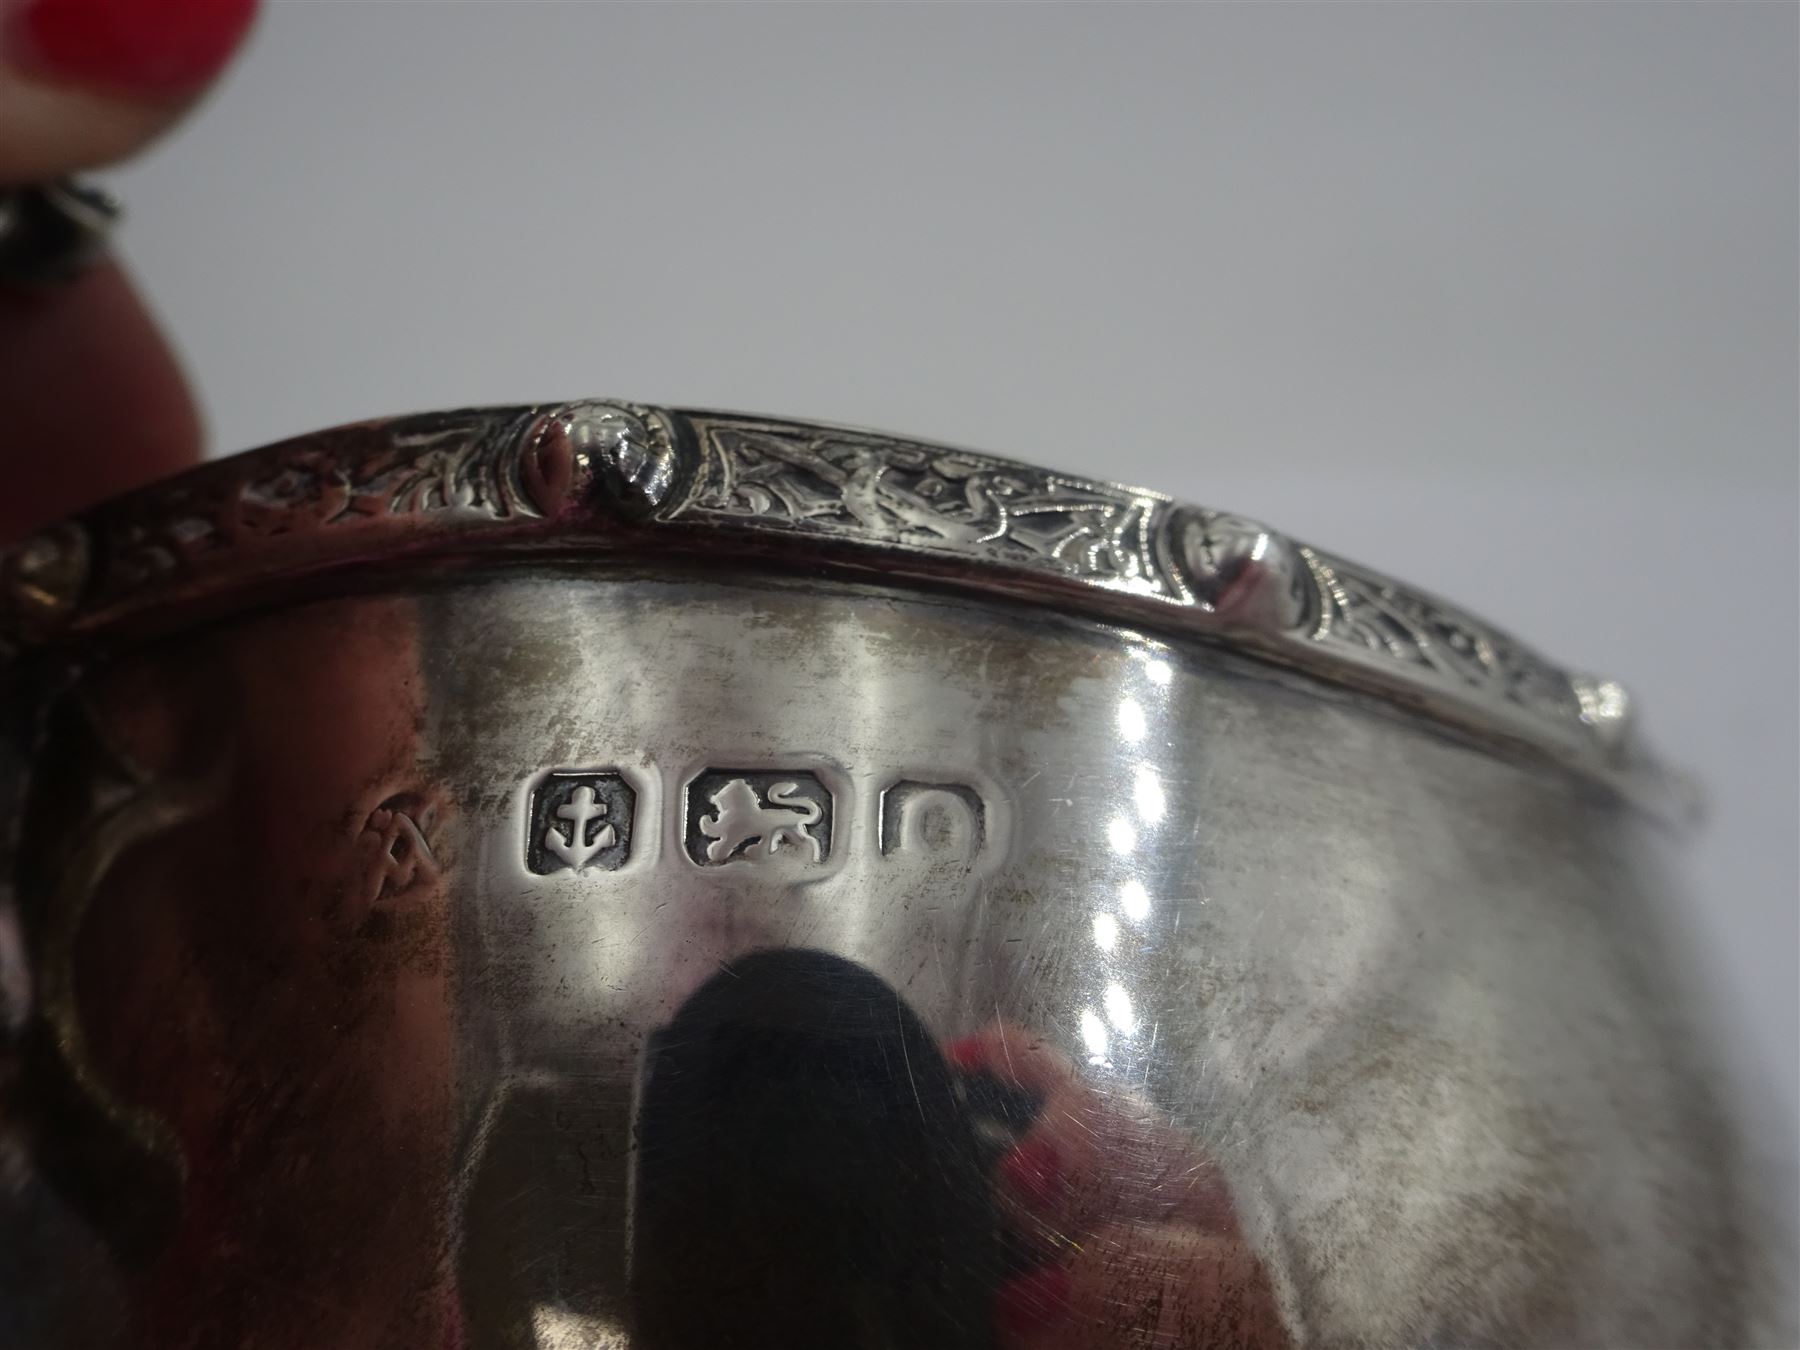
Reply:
x=445, y=935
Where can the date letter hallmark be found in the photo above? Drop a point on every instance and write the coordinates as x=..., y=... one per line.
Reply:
x=758, y=818
x=937, y=821
x=579, y=821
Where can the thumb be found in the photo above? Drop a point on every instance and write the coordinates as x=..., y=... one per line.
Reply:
x=1160, y=1287
x=91, y=399
x=88, y=82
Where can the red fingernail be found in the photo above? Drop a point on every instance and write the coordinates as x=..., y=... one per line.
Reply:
x=1033, y=1170
x=1033, y=1303
x=150, y=48
x=966, y=1054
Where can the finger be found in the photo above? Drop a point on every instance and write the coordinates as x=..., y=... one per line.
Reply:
x=1096, y=1152
x=1148, y=1287
x=87, y=82
x=1021, y=1057
x=1094, y=1159
x=91, y=400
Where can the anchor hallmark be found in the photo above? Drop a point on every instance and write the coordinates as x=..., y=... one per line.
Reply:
x=579, y=821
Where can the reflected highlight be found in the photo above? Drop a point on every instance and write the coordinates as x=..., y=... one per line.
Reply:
x=1122, y=835
x=1119, y=1010
x=1152, y=802
x=1134, y=901
x=1132, y=723
x=1093, y=1033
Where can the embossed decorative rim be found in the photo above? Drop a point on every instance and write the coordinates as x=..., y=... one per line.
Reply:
x=624, y=479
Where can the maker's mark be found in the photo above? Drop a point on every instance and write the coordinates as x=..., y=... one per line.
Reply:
x=398, y=833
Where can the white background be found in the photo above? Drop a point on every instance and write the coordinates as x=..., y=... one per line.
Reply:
x=1501, y=299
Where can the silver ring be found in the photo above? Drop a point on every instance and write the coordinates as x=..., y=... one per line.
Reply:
x=51, y=233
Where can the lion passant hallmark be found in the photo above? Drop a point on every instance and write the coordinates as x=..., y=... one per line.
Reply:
x=738, y=815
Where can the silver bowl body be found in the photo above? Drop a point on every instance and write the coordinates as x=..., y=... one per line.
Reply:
x=532, y=911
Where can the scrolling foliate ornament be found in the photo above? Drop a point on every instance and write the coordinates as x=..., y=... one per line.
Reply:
x=404, y=478
x=604, y=475
x=462, y=463
x=870, y=488
x=1364, y=610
